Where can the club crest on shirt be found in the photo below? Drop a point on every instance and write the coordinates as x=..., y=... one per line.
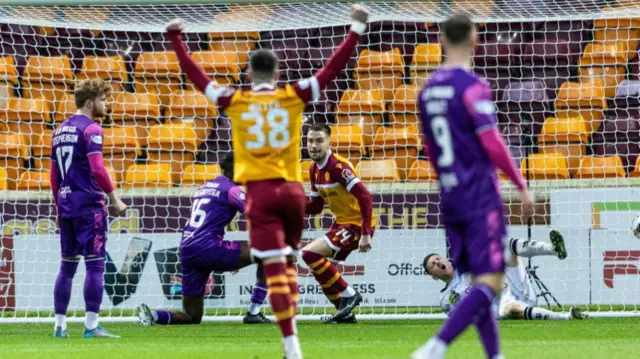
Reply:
x=96, y=139
x=326, y=176
x=348, y=175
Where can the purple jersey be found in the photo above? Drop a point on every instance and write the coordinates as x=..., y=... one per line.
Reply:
x=455, y=106
x=73, y=141
x=214, y=206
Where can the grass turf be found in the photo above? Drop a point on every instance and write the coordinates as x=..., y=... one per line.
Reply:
x=596, y=338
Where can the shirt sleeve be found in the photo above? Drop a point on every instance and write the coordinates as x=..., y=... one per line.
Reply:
x=479, y=104
x=93, y=138
x=236, y=199
x=315, y=203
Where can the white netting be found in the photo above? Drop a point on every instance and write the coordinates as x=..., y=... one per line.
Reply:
x=566, y=79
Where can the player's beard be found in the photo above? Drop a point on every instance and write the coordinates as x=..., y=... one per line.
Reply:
x=99, y=113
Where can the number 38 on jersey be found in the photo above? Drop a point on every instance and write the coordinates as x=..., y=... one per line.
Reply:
x=268, y=127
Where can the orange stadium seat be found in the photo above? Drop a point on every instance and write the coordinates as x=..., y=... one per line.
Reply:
x=609, y=77
x=48, y=77
x=585, y=99
x=422, y=170
x=617, y=29
x=34, y=181
x=605, y=54
x=111, y=69
x=347, y=142
x=380, y=70
x=364, y=108
x=545, y=166
x=636, y=170
x=426, y=58
x=13, y=152
x=239, y=46
x=403, y=110
x=158, y=72
x=221, y=66
x=151, y=175
x=66, y=107
x=140, y=110
x=600, y=167
x=3, y=179
x=305, y=165
x=565, y=135
x=197, y=174
x=193, y=106
x=174, y=144
x=41, y=150
x=8, y=79
x=120, y=150
x=26, y=117
x=398, y=143
x=378, y=171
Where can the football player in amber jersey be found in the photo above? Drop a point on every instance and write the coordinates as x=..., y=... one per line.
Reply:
x=266, y=124
x=334, y=181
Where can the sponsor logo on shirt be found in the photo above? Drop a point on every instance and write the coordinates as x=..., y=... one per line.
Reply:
x=96, y=139
x=348, y=175
x=484, y=107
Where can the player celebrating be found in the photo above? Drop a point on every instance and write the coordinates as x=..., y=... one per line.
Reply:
x=333, y=179
x=266, y=124
x=458, y=118
x=79, y=182
x=204, y=250
x=518, y=300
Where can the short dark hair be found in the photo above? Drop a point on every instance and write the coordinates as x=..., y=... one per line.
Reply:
x=457, y=29
x=321, y=127
x=426, y=261
x=226, y=165
x=263, y=61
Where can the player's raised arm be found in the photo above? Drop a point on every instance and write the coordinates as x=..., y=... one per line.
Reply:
x=478, y=103
x=218, y=94
x=315, y=203
x=309, y=89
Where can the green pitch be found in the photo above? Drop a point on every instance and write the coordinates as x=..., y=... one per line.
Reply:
x=596, y=338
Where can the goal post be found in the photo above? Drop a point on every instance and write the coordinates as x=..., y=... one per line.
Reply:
x=565, y=78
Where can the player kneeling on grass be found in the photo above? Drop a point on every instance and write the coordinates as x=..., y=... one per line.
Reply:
x=204, y=250
x=334, y=180
x=518, y=300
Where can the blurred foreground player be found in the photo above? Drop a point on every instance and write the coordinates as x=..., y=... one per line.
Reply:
x=266, y=124
x=459, y=124
x=334, y=180
x=518, y=299
x=204, y=250
x=79, y=181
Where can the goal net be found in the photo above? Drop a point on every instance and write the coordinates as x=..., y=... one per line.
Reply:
x=565, y=78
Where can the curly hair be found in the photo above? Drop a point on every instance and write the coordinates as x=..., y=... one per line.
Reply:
x=89, y=90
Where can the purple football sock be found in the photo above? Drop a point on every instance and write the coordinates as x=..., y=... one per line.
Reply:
x=475, y=304
x=488, y=330
x=62, y=288
x=258, y=293
x=162, y=317
x=93, y=284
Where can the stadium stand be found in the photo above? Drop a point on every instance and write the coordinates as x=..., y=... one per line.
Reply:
x=567, y=89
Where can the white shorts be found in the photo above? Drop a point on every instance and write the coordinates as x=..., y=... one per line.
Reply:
x=518, y=289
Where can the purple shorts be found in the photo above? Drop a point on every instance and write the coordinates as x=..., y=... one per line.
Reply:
x=199, y=258
x=85, y=235
x=477, y=246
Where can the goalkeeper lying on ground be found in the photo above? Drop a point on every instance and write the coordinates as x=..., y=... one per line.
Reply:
x=518, y=300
